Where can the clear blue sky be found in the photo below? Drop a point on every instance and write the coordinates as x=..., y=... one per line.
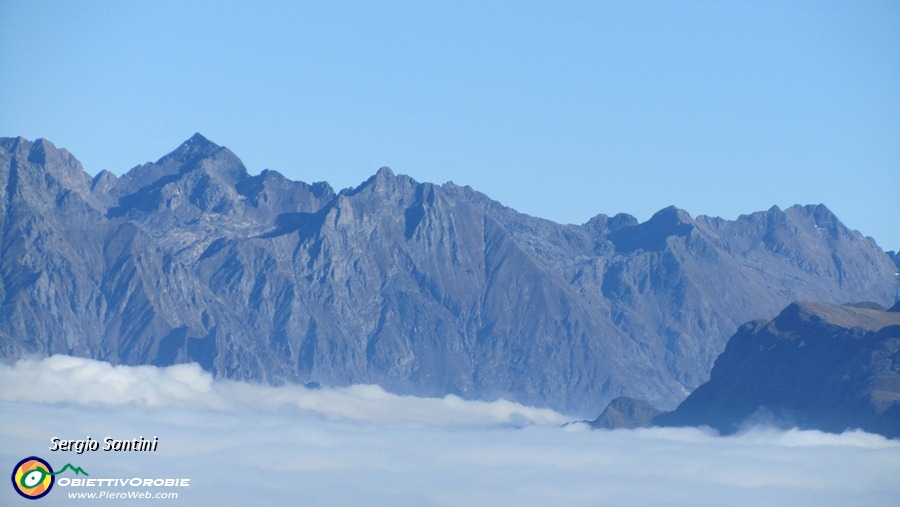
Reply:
x=561, y=110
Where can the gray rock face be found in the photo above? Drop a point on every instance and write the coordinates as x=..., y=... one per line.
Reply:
x=420, y=288
x=895, y=257
x=821, y=366
x=626, y=412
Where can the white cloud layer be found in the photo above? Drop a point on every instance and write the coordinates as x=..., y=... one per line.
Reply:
x=255, y=445
x=88, y=382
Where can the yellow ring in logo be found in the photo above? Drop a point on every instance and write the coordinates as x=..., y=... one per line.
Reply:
x=31, y=478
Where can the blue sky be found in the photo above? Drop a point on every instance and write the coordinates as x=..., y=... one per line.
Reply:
x=561, y=110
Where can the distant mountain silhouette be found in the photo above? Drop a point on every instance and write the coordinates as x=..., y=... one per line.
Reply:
x=421, y=288
x=819, y=366
x=625, y=412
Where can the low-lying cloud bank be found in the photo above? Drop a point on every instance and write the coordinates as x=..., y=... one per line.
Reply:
x=256, y=445
x=88, y=382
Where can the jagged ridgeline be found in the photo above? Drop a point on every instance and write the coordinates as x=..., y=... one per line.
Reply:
x=421, y=288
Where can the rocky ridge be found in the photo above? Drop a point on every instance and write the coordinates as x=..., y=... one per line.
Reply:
x=815, y=366
x=421, y=288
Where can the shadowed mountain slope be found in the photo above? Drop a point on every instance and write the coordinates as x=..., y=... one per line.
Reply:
x=821, y=366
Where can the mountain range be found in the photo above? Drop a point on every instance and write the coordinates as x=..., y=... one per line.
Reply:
x=421, y=288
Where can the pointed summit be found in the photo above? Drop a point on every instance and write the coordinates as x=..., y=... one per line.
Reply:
x=384, y=173
x=383, y=181
x=43, y=152
x=58, y=162
x=198, y=138
x=196, y=154
x=195, y=148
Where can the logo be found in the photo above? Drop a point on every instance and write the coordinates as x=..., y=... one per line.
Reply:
x=33, y=477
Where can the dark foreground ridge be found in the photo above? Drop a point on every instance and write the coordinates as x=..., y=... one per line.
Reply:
x=815, y=366
x=423, y=289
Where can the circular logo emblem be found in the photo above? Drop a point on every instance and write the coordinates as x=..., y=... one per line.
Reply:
x=31, y=478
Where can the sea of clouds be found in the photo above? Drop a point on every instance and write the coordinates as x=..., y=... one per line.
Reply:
x=245, y=444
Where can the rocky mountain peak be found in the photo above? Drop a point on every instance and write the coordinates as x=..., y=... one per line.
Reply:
x=606, y=224
x=45, y=153
x=825, y=222
x=194, y=148
x=671, y=215
x=384, y=173
x=48, y=168
x=199, y=168
x=12, y=144
x=820, y=212
x=384, y=182
x=199, y=153
x=653, y=234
